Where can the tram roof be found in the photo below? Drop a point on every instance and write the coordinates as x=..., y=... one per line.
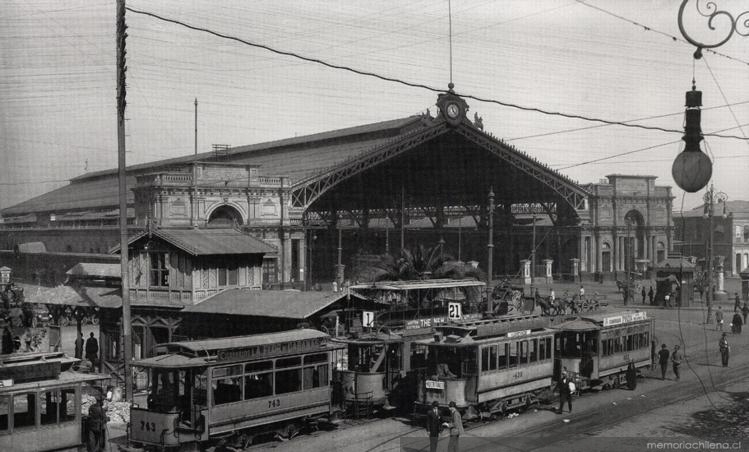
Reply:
x=420, y=284
x=597, y=321
x=212, y=346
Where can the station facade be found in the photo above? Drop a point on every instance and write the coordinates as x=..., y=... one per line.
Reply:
x=318, y=201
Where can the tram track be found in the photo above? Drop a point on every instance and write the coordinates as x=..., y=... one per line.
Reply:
x=593, y=421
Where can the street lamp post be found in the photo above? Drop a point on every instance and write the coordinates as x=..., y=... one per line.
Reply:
x=490, y=252
x=711, y=198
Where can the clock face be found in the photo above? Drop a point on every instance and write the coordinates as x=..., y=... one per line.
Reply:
x=453, y=111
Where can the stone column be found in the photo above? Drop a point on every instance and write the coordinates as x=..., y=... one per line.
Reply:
x=720, y=273
x=547, y=265
x=526, y=265
x=575, y=268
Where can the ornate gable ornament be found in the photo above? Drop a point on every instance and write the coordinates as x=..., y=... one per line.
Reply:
x=452, y=107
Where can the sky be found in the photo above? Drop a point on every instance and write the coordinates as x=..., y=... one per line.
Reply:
x=57, y=80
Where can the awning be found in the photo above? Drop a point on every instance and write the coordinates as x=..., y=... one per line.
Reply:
x=87, y=297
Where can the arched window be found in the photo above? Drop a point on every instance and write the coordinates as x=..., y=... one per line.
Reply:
x=224, y=217
x=606, y=257
x=660, y=252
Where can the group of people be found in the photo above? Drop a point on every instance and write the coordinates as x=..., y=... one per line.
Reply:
x=675, y=356
x=435, y=425
x=91, y=347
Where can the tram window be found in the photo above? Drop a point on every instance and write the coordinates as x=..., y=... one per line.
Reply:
x=493, y=357
x=68, y=403
x=4, y=412
x=315, y=376
x=288, y=381
x=523, y=355
x=317, y=358
x=24, y=410
x=630, y=343
x=513, y=355
x=485, y=359
x=227, y=390
x=258, y=385
x=502, y=356
x=544, y=348
x=258, y=366
x=289, y=362
x=48, y=404
x=533, y=348
x=470, y=362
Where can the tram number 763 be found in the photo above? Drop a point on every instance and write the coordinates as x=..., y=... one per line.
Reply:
x=274, y=403
x=148, y=426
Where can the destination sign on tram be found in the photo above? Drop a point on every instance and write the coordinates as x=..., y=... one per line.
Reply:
x=435, y=384
x=624, y=318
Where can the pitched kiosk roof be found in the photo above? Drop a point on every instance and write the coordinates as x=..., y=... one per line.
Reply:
x=285, y=304
x=297, y=157
x=200, y=242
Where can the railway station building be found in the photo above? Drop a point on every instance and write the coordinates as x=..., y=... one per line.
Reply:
x=318, y=205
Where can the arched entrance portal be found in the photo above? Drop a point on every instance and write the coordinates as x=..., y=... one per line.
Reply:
x=635, y=238
x=224, y=217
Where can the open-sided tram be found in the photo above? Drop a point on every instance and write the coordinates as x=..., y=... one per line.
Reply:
x=597, y=349
x=378, y=369
x=207, y=389
x=40, y=402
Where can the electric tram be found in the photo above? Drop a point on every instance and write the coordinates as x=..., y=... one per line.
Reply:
x=206, y=389
x=487, y=366
x=597, y=349
x=40, y=402
x=376, y=370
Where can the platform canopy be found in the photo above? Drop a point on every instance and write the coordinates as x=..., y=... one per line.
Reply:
x=437, y=163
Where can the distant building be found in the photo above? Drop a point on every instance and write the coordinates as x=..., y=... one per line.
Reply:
x=730, y=235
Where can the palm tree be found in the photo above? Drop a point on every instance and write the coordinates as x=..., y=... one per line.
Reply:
x=422, y=263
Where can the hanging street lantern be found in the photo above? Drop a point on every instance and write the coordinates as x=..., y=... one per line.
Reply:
x=692, y=168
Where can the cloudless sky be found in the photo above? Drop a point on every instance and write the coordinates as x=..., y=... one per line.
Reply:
x=57, y=80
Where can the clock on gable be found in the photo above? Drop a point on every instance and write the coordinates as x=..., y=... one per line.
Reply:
x=452, y=107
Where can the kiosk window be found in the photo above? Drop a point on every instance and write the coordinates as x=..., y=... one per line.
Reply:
x=24, y=410
x=68, y=403
x=4, y=412
x=48, y=405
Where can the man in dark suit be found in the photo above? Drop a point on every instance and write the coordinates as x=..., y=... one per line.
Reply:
x=97, y=422
x=434, y=425
x=564, y=392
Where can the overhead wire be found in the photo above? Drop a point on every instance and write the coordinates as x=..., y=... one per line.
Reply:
x=649, y=28
x=407, y=83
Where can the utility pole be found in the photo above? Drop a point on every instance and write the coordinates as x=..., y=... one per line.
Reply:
x=710, y=198
x=490, y=252
x=533, y=255
x=122, y=176
x=196, y=126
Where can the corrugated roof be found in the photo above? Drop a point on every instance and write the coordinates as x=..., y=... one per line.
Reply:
x=268, y=303
x=95, y=269
x=201, y=242
x=297, y=157
x=420, y=284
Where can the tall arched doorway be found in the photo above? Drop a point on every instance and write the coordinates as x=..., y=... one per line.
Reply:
x=635, y=240
x=224, y=217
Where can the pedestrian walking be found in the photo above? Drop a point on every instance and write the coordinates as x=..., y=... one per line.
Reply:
x=434, y=425
x=79, y=346
x=92, y=350
x=745, y=311
x=96, y=425
x=651, y=294
x=644, y=294
x=456, y=428
x=737, y=302
x=736, y=323
x=565, y=392
x=663, y=356
x=676, y=361
x=719, y=319
x=582, y=292
x=725, y=349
